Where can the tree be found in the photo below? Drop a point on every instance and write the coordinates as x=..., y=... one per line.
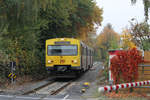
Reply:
x=126, y=40
x=26, y=24
x=108, y=39
x=141, y=34
x=146, y=4
x=19, y=26
x=17, y=13
x=70, y=18
x=89, y=15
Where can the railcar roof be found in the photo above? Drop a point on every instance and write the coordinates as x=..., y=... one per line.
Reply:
x=85, y=45
x=63, y=38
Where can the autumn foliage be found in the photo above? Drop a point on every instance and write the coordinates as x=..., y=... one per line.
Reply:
x=124, y=66
x=126, y=40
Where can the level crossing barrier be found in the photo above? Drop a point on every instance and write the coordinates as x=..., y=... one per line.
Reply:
x=121, y=86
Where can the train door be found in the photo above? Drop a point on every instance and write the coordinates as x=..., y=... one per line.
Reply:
x=83, y=62
x=90, y=58
x=85, y=59
x=81, y=53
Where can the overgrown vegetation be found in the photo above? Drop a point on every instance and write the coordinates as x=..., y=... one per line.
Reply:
x=140, y=33
x=146, y=4
x=124, y=66
x=107, y=39
x=126, y=40
x=26, y=24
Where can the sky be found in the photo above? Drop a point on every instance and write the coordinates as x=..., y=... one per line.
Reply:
x=119, y=13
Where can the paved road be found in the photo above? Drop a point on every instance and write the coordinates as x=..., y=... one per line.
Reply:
x=8, y=97
x=70, y=94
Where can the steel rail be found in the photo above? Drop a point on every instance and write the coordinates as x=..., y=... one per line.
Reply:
x=60, y=89
x=38, y=88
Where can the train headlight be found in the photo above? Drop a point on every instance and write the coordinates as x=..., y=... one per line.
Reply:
x=74, y=61
x=49, y=61
x=62, y=39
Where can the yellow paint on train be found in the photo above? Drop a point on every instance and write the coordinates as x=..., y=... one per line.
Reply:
x=73, y=60
x=67, y=56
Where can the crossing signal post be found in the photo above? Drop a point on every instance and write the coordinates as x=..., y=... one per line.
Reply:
x=12, y=75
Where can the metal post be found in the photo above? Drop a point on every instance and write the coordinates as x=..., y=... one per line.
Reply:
x=12, y=80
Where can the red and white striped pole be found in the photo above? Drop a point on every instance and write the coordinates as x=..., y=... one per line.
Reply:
x=121, y=86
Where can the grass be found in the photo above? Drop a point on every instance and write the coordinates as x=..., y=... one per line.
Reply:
x=102, y=96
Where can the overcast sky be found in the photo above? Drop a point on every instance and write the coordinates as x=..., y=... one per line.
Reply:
x=119, y=13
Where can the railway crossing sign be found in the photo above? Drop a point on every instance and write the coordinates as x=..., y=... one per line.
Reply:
x=12, y=75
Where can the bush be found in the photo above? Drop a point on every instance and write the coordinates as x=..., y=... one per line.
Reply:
x=124, y=66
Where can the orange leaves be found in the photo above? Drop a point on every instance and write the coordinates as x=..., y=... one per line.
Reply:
x=88, y=14
x=124, y=66
x=127, y=40
x=107, y=38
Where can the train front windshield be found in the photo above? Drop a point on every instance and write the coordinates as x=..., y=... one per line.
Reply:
x=61, y=50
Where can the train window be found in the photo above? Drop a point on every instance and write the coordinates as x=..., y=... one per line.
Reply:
x=60, y=50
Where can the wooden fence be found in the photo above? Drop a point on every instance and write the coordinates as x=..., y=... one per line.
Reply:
x=144, y=69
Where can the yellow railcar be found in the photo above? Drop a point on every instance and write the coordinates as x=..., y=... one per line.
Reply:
x=67, y=57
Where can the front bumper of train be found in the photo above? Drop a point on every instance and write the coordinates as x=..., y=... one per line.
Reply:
x=62, y=68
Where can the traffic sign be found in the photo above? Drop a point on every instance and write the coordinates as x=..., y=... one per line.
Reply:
x=13, y=69
x=12, y=75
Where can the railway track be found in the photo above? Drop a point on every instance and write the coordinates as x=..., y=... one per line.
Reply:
x=38, y=88
x=51, y=88
x=60, y=88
